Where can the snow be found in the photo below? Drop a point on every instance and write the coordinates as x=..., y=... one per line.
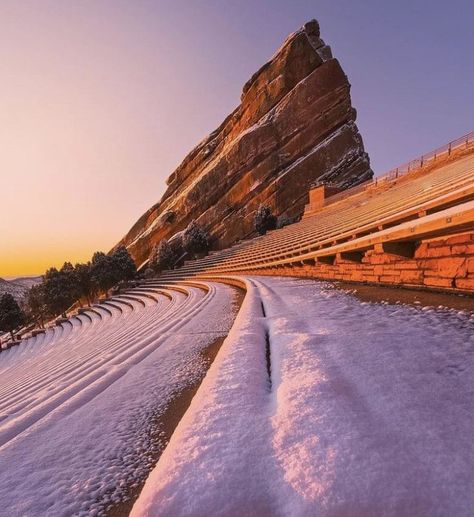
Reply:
x=368, y=408
x=18, y=287
x=78, y=404
x=369, y=411
x=255, y=184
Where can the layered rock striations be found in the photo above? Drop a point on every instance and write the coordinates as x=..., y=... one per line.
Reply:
x=295, y=126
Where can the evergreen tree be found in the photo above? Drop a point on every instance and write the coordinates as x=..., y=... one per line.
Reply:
x=60, y=289
x=85, y=286
x=163, y=257
x=11, y=316
x=264, y=219
x=103, y=275
x=176, y=245
x=36, y=304
x=195, y=238
x=124, y=266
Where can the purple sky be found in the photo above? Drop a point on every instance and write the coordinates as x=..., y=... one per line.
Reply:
x=101, y=100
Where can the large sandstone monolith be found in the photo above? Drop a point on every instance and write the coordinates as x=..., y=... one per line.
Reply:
x=295, y=125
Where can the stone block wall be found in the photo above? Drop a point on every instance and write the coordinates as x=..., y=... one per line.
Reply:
x=443, y=263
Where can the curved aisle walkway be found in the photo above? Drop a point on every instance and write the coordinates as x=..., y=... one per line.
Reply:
x=79, y=403
x=321, y=404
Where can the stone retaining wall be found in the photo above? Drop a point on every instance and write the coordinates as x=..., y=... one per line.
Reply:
x=442, y=263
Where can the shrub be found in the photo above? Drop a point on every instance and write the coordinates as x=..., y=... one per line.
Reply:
x=264, y=219
x=148, y=273
x=284, y=220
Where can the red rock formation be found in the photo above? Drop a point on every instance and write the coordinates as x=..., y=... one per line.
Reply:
x=295, y=125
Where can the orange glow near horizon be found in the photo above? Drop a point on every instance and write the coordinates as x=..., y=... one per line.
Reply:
x=21, y=261
x=87, y=139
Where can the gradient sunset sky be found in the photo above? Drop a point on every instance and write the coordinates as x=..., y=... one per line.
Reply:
x=101, y=100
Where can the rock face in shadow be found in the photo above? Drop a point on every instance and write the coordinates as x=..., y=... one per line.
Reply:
x=295, y=126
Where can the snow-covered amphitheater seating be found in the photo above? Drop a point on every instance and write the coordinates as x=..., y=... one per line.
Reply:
x=90, y=349
x=78, y=401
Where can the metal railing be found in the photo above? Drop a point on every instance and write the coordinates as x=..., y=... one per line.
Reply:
x=425, y=160
x=428, y=158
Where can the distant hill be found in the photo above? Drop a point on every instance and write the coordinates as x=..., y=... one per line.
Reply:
x=18, y=287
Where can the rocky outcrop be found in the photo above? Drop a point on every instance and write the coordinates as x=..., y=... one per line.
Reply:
x=295, y=125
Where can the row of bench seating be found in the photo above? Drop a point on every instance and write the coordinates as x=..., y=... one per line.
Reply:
x=47, y=368
x=419, y=203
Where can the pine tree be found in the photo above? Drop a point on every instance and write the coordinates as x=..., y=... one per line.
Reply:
x=85, y=286
x=124, y=266
x=11, y=316
x=36, y=304
x=163, y=257
x=103, y=275
x=60, y=289
x=264, y=219
x=195, y=238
